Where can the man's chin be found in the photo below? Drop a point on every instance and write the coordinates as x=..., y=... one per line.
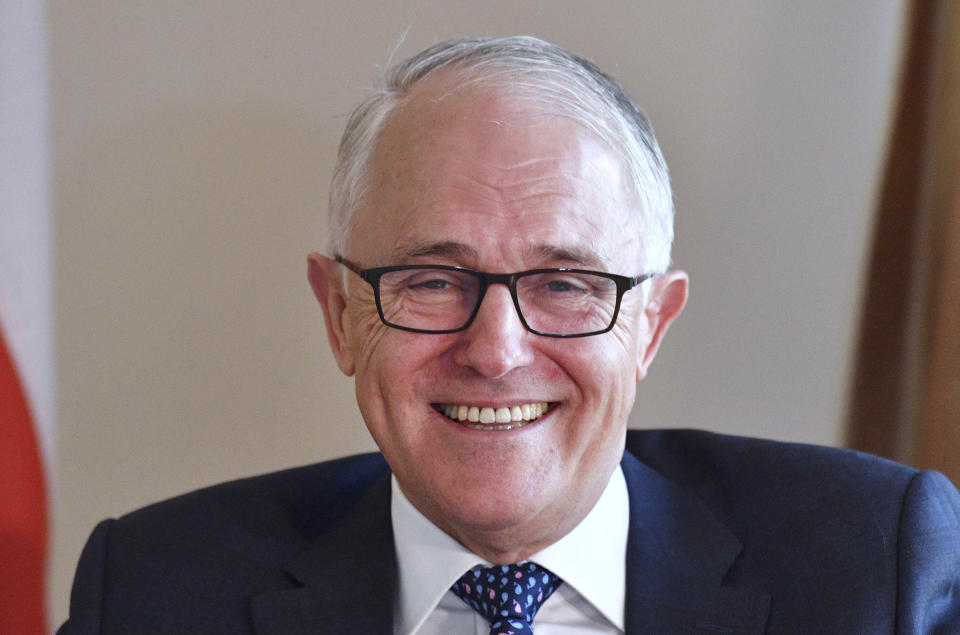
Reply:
x=496, y=509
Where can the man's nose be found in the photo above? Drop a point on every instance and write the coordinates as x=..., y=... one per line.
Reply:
x=496, y=342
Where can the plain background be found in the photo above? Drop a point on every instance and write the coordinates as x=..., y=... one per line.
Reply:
x=191, y=148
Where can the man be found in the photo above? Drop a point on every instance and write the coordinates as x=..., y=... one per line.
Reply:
x=497, y=283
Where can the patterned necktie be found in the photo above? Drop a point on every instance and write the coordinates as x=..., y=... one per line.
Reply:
x=507, y=596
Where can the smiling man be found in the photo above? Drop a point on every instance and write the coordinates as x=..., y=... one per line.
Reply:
x=497, y=283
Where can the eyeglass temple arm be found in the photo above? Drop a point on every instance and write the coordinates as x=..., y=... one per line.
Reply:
x=349, y=265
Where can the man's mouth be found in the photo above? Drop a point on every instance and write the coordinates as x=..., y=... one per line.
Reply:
x=488, y=418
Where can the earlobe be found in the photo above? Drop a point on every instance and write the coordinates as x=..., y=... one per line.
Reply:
x=328, y=289
x=668, y=296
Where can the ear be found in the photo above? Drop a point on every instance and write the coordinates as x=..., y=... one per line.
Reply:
x=668, y=295
x=327, y=285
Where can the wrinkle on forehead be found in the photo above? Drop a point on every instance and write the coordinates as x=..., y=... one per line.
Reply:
x=514, y=184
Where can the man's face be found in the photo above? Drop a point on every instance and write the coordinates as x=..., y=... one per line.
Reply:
x=484, y=181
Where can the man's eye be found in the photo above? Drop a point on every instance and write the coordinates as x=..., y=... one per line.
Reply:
x=565, y=286
x=432, y=281
x=431, y=285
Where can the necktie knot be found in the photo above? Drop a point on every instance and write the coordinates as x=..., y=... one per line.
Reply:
x=508, y=596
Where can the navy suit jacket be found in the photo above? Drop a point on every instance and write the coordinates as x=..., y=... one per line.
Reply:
x=727, y=535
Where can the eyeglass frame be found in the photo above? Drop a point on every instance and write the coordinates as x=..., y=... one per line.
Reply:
x=373, y=275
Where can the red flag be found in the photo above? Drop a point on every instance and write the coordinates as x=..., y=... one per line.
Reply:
x=23, y=510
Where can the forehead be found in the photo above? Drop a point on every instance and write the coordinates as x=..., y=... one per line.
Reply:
x=490, y=169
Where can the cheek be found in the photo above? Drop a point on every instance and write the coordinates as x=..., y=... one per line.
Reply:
x=370, y=346
x=598, y=371
x=365, y=330
x=391, y=368
x=614, y=355
x=605, y=372
x=631, y=336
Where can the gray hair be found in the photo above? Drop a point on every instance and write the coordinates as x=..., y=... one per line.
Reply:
x=537, y=69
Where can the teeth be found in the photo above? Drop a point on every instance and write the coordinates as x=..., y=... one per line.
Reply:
x=489, y=418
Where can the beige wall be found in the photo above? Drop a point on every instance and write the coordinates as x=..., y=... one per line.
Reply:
x=192, y=145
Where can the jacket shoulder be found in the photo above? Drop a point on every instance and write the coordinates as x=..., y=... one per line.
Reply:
x=191, y=563
x=759, y=487
x=304, y=500
x=696, y=457
x=837, y=537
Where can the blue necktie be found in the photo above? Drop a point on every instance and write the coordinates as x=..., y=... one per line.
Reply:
x=508, y=596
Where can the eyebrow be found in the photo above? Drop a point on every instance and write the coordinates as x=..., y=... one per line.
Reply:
x=578, y=255
x=447, y=249
x=460, y=252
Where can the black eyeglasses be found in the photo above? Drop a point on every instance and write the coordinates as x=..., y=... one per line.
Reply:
x=438, y=299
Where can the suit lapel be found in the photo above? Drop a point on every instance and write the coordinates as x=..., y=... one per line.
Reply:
x=677, y=556
x=348, y=577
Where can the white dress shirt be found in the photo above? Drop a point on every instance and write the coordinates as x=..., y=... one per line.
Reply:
x=590, y=560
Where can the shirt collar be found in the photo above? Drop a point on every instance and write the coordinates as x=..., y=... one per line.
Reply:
x=591, y=558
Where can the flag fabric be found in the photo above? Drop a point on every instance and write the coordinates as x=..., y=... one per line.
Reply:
x=26, y=371
x=23, y=509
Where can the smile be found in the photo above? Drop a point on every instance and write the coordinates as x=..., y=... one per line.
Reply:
x=487, y=418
